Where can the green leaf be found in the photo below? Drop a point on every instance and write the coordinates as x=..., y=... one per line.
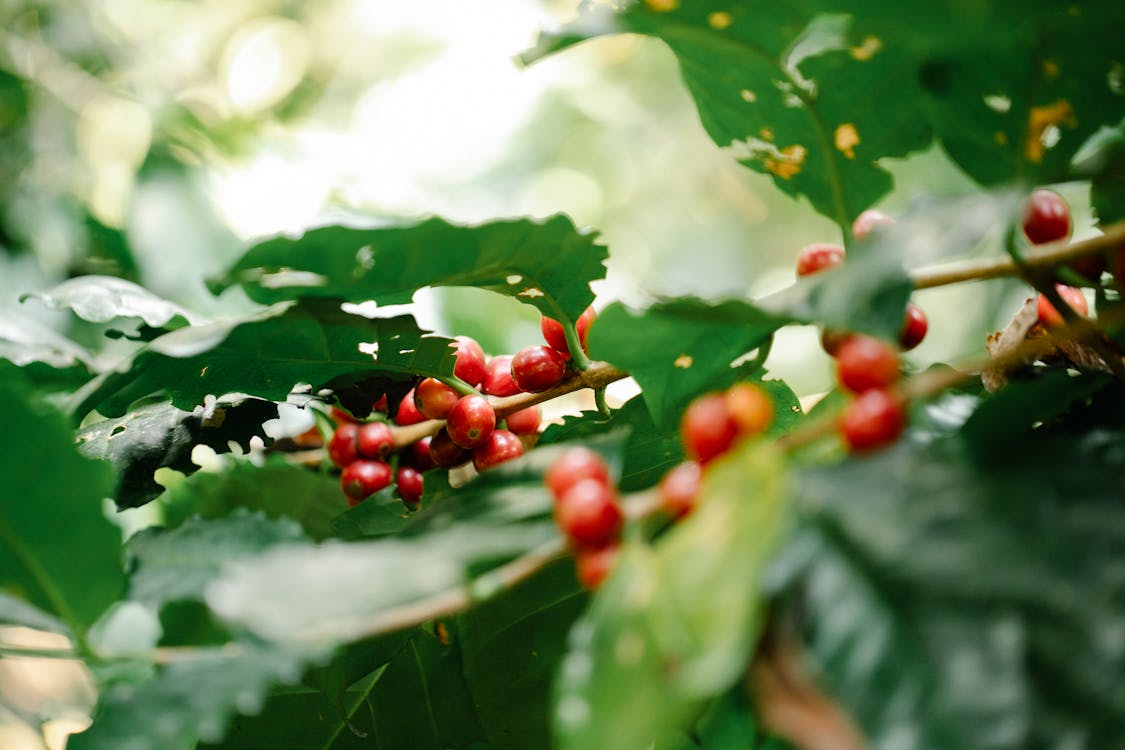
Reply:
x=545, y=263
x=679, y=349
x=44, y=354
x=57, y=550
x=277, y=488
x=162, y=436
x=798, y=96
x=969, y=595
x=381, y=514
x=168, y=565
x=186, y=701
x=15, y=611
x=675, y=625
x=266, y=355
x=102, y=299
x=1102, y=160
x=511, y=647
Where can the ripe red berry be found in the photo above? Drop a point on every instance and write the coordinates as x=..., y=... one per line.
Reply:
x=434, y=398
x=446, y=453
x=863, y=363
x=339, y=415
x=1046, y=217
x=868, y=221
x=817, y=257
x=537, y=368
x=555, y=337
x=574, y=465
x=831, y=340
x=708, y=428
x=375, y=440
x=524, y=421
x=498, y=377
x=751, y=407
x=408, y=413
x=419, y=454
x=593, y=566
x=409, y=481
x=680, y=488
x=380, y=405
x=588, y=514
x=876, y=418
x=1073, y=296
x=470, y=360
x=343, y=448
x=913, y=328
x=501, y=446
x=361, y=479
x=470, y=421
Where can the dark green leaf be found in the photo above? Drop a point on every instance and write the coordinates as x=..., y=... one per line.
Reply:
x=278, y=488
x=679, y=349
x=160, y=435
x=381, y=514
x=57, y=550
x=166, y=565
x=1102, y=160
x=969, y=597
x=511, y=649
x=102, y=299
x=543, y=263
x=268, y=354
x=186, y=701
x=675, y=625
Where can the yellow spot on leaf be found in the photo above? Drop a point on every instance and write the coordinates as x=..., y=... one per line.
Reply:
x=867, y=49
x=847, y=138
x=662, y=6
x=766, y=133
x=748, y=95
x=787, y=162
x=1050, y=69
x=719, y=19
x=1000, y=137
x=203, y=371
x=1042, y=118
x=683, y=362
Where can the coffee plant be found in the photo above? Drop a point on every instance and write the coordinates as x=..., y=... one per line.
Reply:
x=923, y=559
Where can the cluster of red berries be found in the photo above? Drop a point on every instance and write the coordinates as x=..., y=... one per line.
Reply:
x=587, y=511
x=472, y=430
x=1046, y=218
x=709, y=427
x=821, y=256
x=868, y=368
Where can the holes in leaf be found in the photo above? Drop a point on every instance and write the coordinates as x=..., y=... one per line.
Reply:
x=117, y=430
x=997, y=102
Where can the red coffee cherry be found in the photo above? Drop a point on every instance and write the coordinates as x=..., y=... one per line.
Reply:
x=501, y=446
x=831, y=340
x=380, y=405
x=409, y=481
x=537, y=368
x=593, y=566
x=864, y=363
x=434, y=398
x=375, y=440
x=817, y=257
x=876, y=418
x=555, y=337
x=751, y=407
x=418, y=454
x=470, y=360
x=574, y=465
x=1050, y=317
x=868, y=221
x=525, y=421
x=361, y=479
x=1046, y=217
x=408, y=413
x=498, y=377
x=343, y=448
x=339, y=415
x=470, y=421
x=680, y=488
x=446, y=453
x=913, y=328
x=588, y=514
x=708, y=428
